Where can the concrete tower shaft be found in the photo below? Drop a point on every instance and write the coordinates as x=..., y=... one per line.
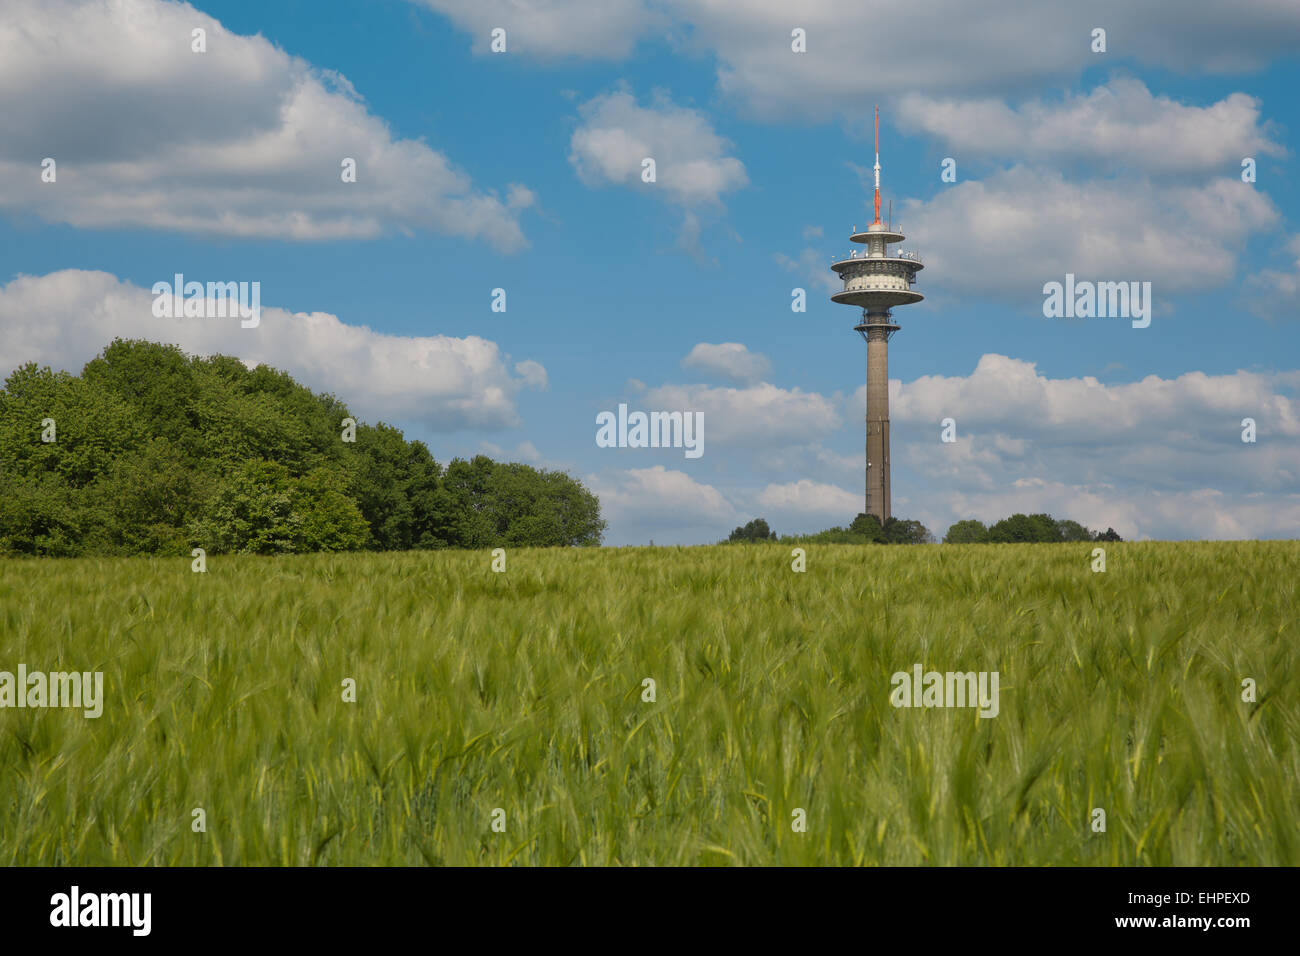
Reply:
x=877, y=491
x=877, y=281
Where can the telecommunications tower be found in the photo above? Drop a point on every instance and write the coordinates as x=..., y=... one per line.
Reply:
x=876, y=281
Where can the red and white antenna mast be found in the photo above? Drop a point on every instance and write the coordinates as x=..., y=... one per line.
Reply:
x=877, y=167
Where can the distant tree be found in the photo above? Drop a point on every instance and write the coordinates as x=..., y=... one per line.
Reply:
x=93, y=426
x=397, y=486
x=865, y=529
x=262, y=509
x=869, y=526
x=1072, y=531
x=756, y=530
x=903, y=531
x=41, y=515
x=1022, y=528
x=544, y=508
x=145, y=501
x=969, y=531
x=160, y=382
x=467, y=485
x=326, y=519
x=1045, y=528
x=512, y=504
x=1042, y=528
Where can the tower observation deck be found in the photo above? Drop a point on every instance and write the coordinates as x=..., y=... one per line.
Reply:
x=877, y=280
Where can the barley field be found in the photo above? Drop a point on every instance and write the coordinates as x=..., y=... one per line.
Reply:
x=501, y=718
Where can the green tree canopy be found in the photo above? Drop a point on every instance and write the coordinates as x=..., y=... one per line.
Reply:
x=1023, y=528
x=1041, y=528
x=152, y=451
x=905, y=531
x=869, y=526
x=1067, y=530
x=756, y=530
x=969, y=531
x=865, y=529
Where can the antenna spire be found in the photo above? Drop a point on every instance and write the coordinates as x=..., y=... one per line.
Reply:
x=877, y=167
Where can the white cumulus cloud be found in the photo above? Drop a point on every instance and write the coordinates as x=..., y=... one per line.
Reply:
x=807, y=498
x=730, y=360
x=65, y=318
x=617, y=134
x=1001, y=47
x=1157, y=457
x=1006, y=46
x=756, y=415
x=242, y=140
x=1120, y=122
x=661, y=503
x=553, y=29
x=1101, y=230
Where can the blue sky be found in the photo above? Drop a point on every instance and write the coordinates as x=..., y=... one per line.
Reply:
x=521, y=170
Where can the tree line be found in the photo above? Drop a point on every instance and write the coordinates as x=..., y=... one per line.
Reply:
x=1021, y=527
x=867, y=529
x=864, y=529
x=152, y=451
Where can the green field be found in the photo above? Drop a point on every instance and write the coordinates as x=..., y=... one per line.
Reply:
x=523, y=691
